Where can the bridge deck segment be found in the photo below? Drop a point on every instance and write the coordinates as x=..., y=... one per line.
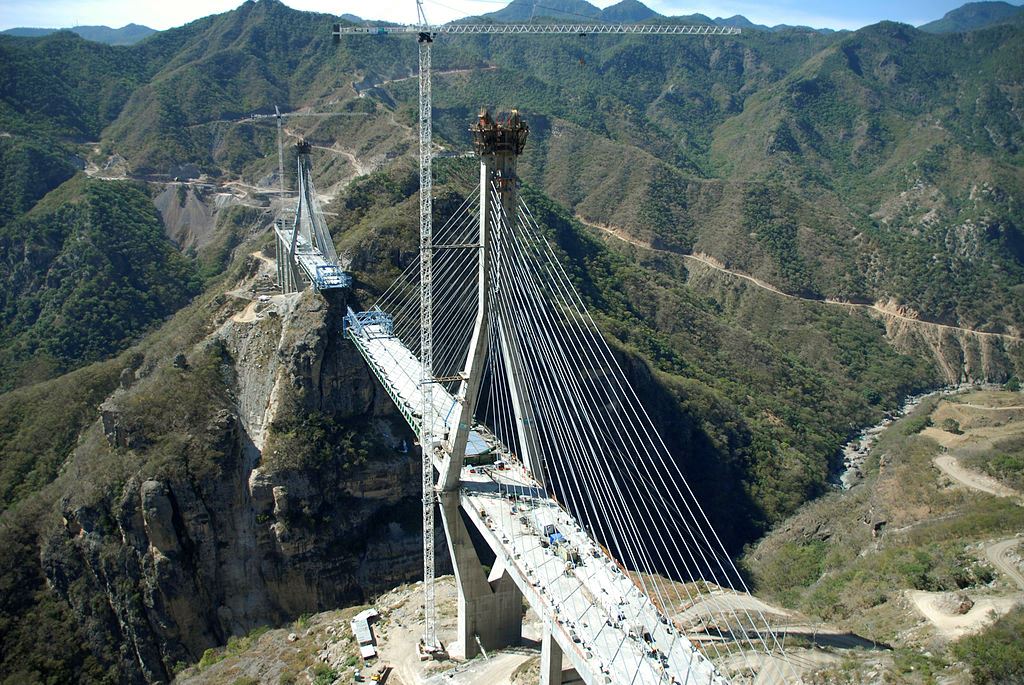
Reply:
x=400, y=372
x=607, y=627
x=321, y=271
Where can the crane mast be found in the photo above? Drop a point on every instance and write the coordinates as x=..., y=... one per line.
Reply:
x=280, y=152
x=425, y=34
x=327, y=273
x=426, y=339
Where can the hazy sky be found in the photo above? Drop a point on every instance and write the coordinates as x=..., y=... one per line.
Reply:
x=162, y=14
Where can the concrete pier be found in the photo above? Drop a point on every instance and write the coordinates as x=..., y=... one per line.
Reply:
x=490, y=606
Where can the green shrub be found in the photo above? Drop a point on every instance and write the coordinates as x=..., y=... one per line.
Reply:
x=996, y=655
x=916, y=424
x=1008, y=467
x=316, y=440
x=1005, y=462
x=951, y=426
x=210, y=657
x=794, y=565
x=324, y=675
x=911, y=661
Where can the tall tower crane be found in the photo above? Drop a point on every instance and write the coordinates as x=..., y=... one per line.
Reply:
x=280, y=117
x=425, y=32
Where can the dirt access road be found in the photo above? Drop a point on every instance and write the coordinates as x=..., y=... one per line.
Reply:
x=937, y=606
x=999, y=555
x=934, y=607
x=713, y=263
x=496, y=669
x=950, y=466
x=985, y=418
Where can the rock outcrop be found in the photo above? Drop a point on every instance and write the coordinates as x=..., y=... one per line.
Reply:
x=960, y=355
x=213, y=538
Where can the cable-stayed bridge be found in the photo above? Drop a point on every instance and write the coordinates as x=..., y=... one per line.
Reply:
x=305, y=251
x=552, y=481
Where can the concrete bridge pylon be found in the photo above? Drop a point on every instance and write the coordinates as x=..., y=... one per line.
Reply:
x=490, y=605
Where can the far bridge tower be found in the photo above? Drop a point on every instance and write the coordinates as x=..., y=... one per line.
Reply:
x=305, y=251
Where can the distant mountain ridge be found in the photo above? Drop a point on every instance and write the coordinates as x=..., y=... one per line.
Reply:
x=128, y=34
x=969, y=17
x=624, y=11
x=976, y=15
x=628, y=10
x=525, y=10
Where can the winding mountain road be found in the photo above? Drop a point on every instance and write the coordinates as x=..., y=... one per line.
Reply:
x=998, y=554
x=712, y=263
x=360, y=169
x=441, y=72
x=969, y=478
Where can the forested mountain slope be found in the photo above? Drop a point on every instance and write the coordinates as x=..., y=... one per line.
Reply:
x=833, y=166
x=879, y=166
x=85, y=272
x=126, y=35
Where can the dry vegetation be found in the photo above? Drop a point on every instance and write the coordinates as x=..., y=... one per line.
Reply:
x=906, y=558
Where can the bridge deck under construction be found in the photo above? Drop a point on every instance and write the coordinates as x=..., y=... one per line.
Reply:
x=322, y=272
x=400, y=372
x=608, y=629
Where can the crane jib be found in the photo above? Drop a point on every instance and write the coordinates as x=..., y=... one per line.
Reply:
x=534, y=29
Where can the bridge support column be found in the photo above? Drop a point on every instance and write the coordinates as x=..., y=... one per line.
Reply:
x=287, y=277
x=550, y=659
x=490, y=607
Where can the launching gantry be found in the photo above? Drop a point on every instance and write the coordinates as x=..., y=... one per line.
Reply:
x=305, y=251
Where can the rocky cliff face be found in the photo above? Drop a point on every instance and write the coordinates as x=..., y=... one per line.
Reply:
x=191, y=545
x=960, y=355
